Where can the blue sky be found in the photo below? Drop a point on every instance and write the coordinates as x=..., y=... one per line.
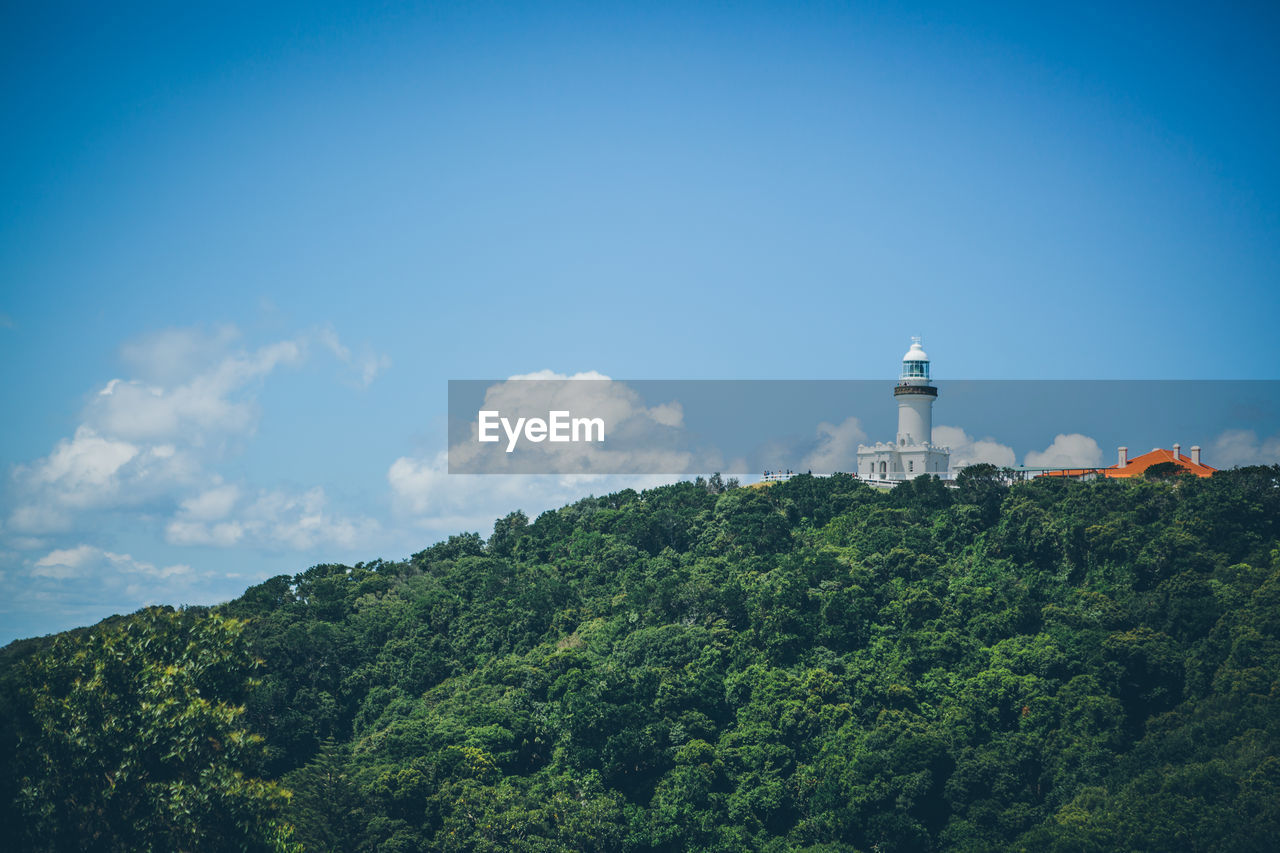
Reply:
x=283, y=228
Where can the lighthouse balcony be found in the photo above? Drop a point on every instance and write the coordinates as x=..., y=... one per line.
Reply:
x=909, y=388
x=890, y=447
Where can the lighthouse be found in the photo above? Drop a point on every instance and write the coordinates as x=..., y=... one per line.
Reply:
x=915, y=395
x=913, y=452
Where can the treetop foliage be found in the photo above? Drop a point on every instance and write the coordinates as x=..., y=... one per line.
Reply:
x=811, y=665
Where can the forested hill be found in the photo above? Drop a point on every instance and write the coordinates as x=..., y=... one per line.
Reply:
x=815, y=665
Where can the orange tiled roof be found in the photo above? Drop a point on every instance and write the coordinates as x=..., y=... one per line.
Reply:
x=1137, y=465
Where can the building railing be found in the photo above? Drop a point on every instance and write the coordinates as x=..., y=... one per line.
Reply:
x=906, y=388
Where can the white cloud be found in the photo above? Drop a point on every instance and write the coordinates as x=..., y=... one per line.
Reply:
x=85, y=461
x=151, y=439
x=38, y=518
x=302, y=521
x=181, y=531
x=65, y=562
x=90, y=471
x=668, y=414
x=211, y=504
x=837, y=448
x=192, y=388
x=367, y=364
x=1067, y=451
x=965, y=450
x=424, y=491
x=172, y=356
x=216, y=401
x=1242, y=447
x=547, y=373
x=422, y=487
x=273, y=520
x=87, y=560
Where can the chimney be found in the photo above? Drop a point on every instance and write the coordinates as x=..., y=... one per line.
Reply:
x=1195, y=454
x=1124, y=457
x=1177, y=451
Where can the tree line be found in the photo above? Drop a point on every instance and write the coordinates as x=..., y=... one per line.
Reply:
x=811, y=665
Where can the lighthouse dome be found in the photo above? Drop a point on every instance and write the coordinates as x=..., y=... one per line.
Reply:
x=915, y=364
x=916, y=353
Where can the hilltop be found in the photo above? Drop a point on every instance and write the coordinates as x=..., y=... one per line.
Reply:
x=817, y=666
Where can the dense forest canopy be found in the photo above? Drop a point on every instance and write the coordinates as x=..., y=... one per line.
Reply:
x=813, y=665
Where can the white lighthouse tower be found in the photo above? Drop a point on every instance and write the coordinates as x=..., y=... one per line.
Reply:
x=913, y=453
x=915, y=395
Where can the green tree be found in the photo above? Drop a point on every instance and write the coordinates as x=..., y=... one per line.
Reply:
x=983, y=486
x=135, y=742
x=1163, y=471
x=326, y=806
x=816, y=665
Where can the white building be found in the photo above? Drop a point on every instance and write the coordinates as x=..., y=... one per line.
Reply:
x=914, y=452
